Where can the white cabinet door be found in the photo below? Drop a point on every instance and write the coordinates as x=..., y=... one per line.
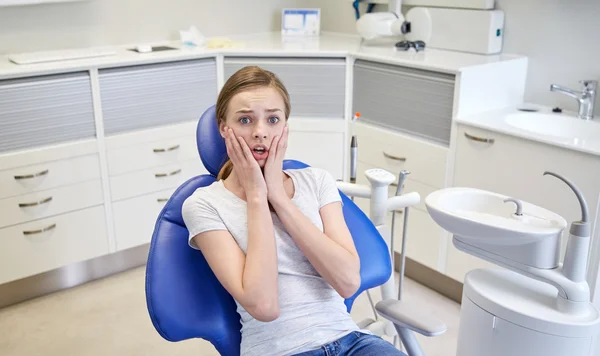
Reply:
x=426, y=161
x=515, y=167
x=318, y=143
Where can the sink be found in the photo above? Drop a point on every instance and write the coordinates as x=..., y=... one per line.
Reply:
x=486, y=226
x=557, y=125
x=480, y=214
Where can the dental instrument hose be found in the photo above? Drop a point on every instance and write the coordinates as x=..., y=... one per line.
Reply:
x=401, y=179
x=353, y=152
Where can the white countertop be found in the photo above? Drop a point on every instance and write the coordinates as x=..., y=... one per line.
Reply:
x=495, y=121
x=269, y=44
x=273, y=44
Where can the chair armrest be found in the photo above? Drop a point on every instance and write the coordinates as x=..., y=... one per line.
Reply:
x=410, y=316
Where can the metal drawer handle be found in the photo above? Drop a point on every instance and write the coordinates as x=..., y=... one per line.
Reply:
x=479, y=139
x=394, y=157
x=29, y=176
x=159, y=175
x=172, y=148
x=35, y=232
x=40, y=202
x=162, y=200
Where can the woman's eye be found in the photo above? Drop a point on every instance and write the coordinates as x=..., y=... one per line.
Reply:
x=273, y=119
x=244, y=120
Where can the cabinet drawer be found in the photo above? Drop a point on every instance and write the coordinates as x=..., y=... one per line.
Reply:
x=154, y=179
x=317, y=86
x=26, y=249
x=33, y=178
x=45, y=110
x=135, y=218
x=394, y=152
x=152, y=154
x=152, y=95
x=33, y=206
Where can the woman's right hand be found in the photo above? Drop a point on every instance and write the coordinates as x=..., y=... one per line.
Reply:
x=247, y=168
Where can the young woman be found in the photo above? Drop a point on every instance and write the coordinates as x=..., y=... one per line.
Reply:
x=277, y=239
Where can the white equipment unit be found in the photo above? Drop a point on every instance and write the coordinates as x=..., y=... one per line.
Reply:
x=467, y=4
x=464, y=30
x=535, y=306
x=470, y=4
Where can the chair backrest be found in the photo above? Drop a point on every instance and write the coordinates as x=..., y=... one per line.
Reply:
x=184, y=298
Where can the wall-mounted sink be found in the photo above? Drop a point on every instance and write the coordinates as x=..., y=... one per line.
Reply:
x=557, y=125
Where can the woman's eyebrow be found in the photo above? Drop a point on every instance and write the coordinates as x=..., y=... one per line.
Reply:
x=247, y=111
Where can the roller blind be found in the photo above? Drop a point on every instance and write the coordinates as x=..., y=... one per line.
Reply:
x=146, y=96
x=316, y=85
x=45, y=110
x=411, y=100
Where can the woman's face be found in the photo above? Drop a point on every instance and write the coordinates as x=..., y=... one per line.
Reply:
x=257, y=115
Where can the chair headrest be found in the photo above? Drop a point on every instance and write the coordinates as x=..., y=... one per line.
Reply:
x=211, y=146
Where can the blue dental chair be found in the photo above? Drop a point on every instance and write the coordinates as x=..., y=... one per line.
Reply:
x=184, y=298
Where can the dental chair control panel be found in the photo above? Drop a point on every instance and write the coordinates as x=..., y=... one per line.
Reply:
x=534, y=305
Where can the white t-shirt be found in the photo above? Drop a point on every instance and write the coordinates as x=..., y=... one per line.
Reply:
x=312, y=313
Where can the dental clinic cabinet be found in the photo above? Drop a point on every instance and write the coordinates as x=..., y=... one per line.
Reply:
x=89, y=156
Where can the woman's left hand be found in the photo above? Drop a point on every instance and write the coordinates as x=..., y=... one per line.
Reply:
x=274, y=167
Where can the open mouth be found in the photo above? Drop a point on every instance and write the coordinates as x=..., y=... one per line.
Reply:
x=260, y=152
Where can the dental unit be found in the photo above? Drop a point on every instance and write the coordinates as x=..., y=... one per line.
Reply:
x=535, y=305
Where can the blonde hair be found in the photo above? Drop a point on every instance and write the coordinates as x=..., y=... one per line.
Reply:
x=247, y=78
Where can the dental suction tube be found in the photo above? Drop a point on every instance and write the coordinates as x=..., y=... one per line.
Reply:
x=575, y=261
x=584, y=208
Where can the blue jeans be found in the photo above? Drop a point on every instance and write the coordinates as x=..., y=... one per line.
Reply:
x=356, y=344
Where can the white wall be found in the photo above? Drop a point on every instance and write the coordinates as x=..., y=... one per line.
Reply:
x=559, y=36
x=106, y=22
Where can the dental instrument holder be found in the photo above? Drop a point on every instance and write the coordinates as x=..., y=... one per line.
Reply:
x=379, y=205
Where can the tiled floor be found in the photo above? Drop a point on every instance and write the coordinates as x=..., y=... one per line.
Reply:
x=109, y=317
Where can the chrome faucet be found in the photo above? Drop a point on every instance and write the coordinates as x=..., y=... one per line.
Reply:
x=585, y=97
